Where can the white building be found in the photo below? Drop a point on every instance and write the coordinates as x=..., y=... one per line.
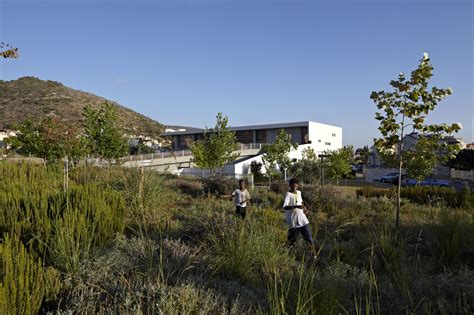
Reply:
x=307, y=134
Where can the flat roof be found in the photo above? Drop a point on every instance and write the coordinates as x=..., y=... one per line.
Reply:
x=241, y=128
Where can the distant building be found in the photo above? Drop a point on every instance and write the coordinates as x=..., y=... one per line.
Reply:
x=470, y=146
x=307, y=134
x=409, y=141
x=320, y=137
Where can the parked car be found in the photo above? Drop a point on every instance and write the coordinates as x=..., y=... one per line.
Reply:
x=391, y=177
x=426, y=182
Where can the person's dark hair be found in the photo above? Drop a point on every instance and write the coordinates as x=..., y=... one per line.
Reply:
x=242, y=181
x=293, y=181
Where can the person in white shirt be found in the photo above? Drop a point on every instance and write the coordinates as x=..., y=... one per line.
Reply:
x=295, y=215
x=241, y=197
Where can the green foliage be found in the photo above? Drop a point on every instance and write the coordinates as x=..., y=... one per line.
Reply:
x=61, y=226
x=425, y=195
x=277, y=153
x=217, y=148
x=140, y=148
x=338, y=163
x=49, y=139
x=308, y=168
x=104, y=137
x=24, y=283
x=407, y=106
x=248, y=251
x=453, y=237
x=279, y=186
x=363, y=155
x=256, y=170
x=423, y=158
x=371, y=192
x=219, y=185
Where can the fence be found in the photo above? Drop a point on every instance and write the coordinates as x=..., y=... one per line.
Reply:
x=152, y=156
x=469, y=175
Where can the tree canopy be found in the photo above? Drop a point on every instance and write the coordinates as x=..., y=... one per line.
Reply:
x=217, y=148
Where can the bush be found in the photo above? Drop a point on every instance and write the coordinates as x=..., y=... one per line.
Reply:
x=188, y=186
x=279, y=186
x=23, y=281
x=371, y=192
x=265, y=198
x=438, y=195
x=219, y=185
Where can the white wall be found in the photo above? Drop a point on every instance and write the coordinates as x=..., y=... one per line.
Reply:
x=319, y=134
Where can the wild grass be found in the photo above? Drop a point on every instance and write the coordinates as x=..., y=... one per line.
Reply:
x=132, y=241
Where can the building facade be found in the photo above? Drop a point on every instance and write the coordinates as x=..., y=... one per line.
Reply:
x=320, y=137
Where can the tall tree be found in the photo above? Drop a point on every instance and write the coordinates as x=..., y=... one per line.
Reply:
x=407, y=106
x=277, y=153
x=104, y=137
x=217, y=148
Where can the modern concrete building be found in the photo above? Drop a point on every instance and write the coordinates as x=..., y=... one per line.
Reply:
x=307, y=134
x=319, y=136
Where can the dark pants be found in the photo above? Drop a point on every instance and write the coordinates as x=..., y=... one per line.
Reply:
x=305, y=232
x=240, y=211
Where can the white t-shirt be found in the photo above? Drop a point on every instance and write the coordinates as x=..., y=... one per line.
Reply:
x=295, y=218
x=241, y=197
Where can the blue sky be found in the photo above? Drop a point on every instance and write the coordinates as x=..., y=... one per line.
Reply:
x=181, y=62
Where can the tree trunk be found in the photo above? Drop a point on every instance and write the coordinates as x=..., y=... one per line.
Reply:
x=400, y=167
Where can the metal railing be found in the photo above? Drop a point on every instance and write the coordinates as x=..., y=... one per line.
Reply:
x=178, y=153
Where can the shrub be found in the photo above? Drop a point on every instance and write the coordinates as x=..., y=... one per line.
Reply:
x=219, y=185
x=279, y=186
x=371, y=192
x=23, y=281
x=265, y=198
x=188, y=186
x=447, y=196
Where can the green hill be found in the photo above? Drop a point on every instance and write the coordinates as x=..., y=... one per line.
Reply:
x=35, y=98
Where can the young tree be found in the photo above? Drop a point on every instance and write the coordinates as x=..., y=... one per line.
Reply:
x=217, y=148
x=103, y=135
x=407, y=106
x=49, y=139
x=277, y=153
x=308, y=168
x=338, y=163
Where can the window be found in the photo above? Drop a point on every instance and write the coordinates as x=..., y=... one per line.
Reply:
x=319, y=140
x=333, y=134
x=327, y=143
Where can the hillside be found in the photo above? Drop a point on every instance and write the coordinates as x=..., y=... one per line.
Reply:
x=32, y=97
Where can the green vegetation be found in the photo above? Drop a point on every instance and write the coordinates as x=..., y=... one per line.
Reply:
x=133, y=241
x=103, y=136
x=277, y=153
x=338, y=163
x=407, y=107
x=217, y=148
